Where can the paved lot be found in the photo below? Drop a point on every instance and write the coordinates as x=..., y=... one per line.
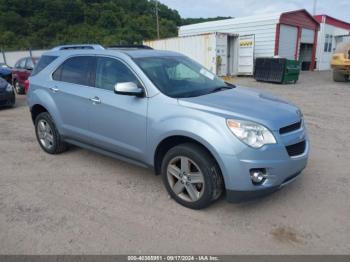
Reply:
x=82, y=202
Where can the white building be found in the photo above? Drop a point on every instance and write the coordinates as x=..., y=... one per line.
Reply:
x=289, y=35
x=332, y=31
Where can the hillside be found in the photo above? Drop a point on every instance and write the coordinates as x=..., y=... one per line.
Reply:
x=42, y=24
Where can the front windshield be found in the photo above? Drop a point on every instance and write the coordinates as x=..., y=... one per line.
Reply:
x=179, y=76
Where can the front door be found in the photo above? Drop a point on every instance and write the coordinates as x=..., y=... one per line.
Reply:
x=118, y=122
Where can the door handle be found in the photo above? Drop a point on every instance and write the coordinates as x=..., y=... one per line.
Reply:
x=54, y=89
x=95, y=100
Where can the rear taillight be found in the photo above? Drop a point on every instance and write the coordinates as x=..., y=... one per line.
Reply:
x=26, y=86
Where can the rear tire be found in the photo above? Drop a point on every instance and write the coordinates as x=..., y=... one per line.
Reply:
x=197, y=186
x=339, y=77
x=47, y=134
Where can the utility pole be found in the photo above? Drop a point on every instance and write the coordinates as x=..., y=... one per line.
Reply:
x=314, y=7
x=157, y=17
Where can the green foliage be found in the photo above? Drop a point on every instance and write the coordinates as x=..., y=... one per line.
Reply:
x=45, y=23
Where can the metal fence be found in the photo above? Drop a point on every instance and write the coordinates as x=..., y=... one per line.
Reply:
x=11, y=57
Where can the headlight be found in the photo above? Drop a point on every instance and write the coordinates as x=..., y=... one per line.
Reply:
x=251, y=133
x=9, y=88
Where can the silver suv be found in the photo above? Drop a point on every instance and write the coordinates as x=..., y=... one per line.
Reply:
x=162, y=110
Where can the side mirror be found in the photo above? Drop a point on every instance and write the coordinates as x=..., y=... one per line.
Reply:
x=128, y=89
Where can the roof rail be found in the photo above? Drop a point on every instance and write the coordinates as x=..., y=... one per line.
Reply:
x=129, y=46
x=72, y=47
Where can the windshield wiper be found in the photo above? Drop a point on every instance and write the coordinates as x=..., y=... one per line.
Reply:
x=220, y=88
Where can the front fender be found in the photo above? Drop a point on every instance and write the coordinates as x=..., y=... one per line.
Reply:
x=211, y=133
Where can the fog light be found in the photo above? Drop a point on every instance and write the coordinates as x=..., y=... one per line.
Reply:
x=258, y=176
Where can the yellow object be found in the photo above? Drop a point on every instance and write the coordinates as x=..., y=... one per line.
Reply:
x=229, y=79
x=340, y=62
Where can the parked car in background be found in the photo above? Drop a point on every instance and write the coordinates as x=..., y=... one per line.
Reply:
x=7, y=93
x=21, y=71
x=6, y=72
x=162, y=110
x=3, y=65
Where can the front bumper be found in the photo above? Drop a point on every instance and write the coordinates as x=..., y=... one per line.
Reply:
x=281, y=168
x=236, y=196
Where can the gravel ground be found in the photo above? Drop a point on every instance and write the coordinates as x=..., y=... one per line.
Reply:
x=81, y=202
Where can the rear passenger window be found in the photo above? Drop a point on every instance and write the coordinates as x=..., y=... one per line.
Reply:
x=44, y=61
x=110, y=71
x=77, y=70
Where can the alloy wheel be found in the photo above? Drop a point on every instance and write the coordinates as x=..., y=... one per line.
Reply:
x=185, y=178
x=45, y=134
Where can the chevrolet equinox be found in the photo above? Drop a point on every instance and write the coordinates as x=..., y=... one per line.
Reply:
x=162, y=110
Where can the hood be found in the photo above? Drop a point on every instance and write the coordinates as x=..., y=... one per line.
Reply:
x=249, y=104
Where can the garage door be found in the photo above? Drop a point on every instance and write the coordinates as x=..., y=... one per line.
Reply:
x=307, y=36
x=287, y=41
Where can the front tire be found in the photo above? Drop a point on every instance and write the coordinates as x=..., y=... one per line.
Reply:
x=191, y=176
x=47, y=134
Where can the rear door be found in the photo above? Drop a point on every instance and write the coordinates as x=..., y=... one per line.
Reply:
x=246, y=55
x=117, y=122
x=71, y=90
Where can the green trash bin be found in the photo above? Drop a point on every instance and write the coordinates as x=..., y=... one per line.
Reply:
x=291, y=71
x=276, y=70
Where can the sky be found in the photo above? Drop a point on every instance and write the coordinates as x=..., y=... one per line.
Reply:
x=237, y=8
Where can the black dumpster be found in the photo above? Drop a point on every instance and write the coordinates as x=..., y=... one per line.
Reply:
x=276, y=70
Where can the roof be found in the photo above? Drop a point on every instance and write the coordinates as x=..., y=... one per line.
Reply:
x=234, y=21
x=247, y=19
x=133, y=53
x=332, y=21
x=148, y=53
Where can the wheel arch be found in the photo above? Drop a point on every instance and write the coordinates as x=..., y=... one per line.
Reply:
x=40, y=101
x=36, y=110
x=169, y=142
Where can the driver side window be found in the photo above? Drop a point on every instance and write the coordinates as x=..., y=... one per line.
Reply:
x=110, y=72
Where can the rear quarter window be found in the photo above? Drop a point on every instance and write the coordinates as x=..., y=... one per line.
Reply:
x=43, y=62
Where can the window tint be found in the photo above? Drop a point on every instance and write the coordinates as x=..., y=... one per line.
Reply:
x=110, y=71
x=43, y=62
x=76, y=70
